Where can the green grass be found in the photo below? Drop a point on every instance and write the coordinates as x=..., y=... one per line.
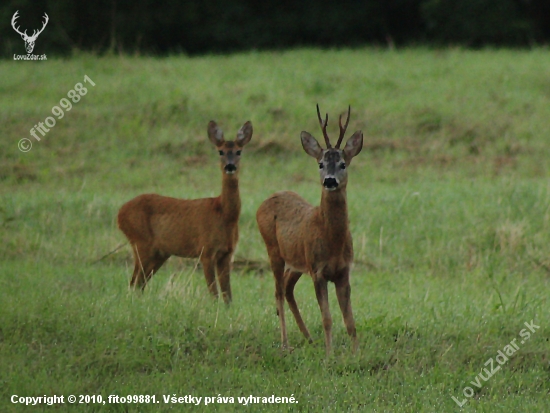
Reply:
x=449, y=208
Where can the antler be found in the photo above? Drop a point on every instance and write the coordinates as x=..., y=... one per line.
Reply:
x=13, y=19
x=323, y=126
x=343, y=129
x=35, y=35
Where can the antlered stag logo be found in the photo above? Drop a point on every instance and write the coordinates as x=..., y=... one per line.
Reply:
x=29, y=40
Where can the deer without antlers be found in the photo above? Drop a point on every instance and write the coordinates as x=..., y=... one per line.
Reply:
x=159, y=226
x=301, y=238
x=29, y=40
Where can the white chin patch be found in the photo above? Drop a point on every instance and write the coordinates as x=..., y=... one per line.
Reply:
x=230, y=172
x=330, y=189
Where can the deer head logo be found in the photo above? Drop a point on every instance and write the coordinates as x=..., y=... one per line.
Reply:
x=29, y=40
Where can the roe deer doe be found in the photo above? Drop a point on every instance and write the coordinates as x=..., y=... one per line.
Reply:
x=301, y=238
x=159, y=226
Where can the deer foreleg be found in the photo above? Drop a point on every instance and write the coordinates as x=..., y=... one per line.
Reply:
x=209, y=273
x=321, y=291
x=343, y=293
x=223, y=266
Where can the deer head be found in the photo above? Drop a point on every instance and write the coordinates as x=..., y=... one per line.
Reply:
x=230, y=151
x=333, y=161
x=29, y=40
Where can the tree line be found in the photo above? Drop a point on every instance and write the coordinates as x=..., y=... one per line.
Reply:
x=192, y=26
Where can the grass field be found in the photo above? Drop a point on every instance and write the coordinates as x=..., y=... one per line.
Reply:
x=449, y=206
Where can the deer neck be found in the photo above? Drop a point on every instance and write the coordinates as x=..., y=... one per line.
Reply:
x=334, y=213
x=230, y=199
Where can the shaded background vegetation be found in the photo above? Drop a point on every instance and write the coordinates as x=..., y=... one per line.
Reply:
x=167, y=26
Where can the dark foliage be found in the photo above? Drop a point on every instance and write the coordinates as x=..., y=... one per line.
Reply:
x=165, y=26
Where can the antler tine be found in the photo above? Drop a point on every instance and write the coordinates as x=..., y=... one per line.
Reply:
x=343, y=129
x=13, y=22
x=14, y=18
x=47, y=19
x=324, y=126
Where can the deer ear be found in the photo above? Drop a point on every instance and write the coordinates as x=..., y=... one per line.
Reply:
x=353, y=146
x=215, y=134
x=311, y=146
x=244, y=134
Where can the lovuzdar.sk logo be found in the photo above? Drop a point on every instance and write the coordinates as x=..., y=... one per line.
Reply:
x=29, y=40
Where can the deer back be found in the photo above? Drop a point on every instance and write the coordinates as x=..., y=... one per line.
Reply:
x=177, y=226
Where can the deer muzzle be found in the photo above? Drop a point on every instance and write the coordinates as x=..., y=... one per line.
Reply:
x=330, y=183
x=230, y=168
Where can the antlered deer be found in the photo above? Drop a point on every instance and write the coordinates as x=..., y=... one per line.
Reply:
x=301, y=238
x=159, y=226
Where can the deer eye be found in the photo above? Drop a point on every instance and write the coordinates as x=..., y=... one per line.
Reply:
x=321, y=165
x=238, y=153
x=221, y=153
x=342, y=166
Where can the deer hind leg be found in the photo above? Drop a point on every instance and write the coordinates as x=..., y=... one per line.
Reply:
x=141, y=262
x=147, y=262
x=278, y=267
x=321, y=291
x=207, y=262
x=343, y=293
x=156, y=262
x=266, y=224
x=136, y=274
x=223, y=267
x=291, y=278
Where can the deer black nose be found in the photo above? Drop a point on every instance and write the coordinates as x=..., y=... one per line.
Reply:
x=330, y=183
x=230, y=168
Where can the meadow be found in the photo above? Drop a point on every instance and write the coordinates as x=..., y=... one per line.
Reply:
x=449, y=205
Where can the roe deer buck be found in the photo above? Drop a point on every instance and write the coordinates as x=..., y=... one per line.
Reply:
x=302, y=238
x=159, y=226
